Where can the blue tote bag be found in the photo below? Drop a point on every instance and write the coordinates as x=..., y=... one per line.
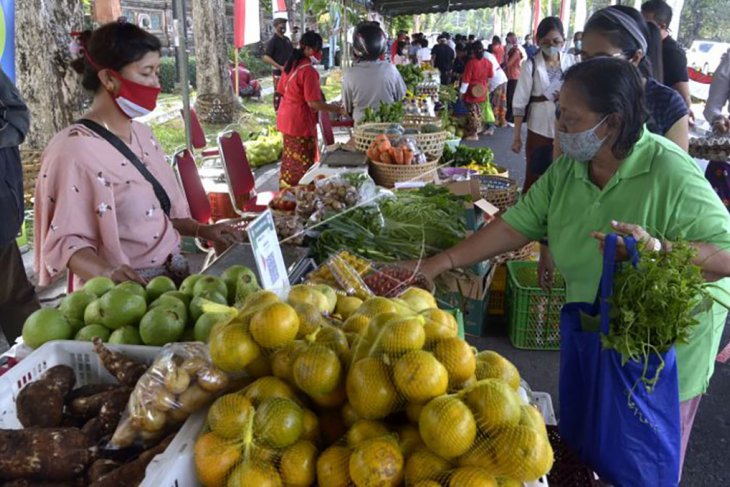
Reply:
x=629, y=436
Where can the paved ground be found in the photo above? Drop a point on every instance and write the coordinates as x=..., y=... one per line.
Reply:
x=709, y=449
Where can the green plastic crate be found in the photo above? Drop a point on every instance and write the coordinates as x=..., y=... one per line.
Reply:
x=534, y=314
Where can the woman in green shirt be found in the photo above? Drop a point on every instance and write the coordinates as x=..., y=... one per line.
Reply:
x=614, y=176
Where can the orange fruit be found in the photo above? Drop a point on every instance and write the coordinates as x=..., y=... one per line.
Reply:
x=214, y=458
x=375, y=306
x=423, y=464
x=522, y=453
x=266, y=388
x=491, y=365
x=409, y=438
x=232, y=348
x=260, y=367
x=333, y=467
x=309, y=318
x=439, y=324
x=310, y=427
x=258, y=474
x=230, y=415
x=282, y=361
x=278, y=422
x=365, y=429
x=349, y=416
x=458, y=358
x=494, y=404
x=447, y=426
x=316, y=370
x=356, y=324
x=482, y=455
x=419, y=376
x=274, y=325
x=377, y=462
x=427, y=483
x=298, y=464
x=402, y=335
x=532, y=418
x=369, y=389
x=471, y=477
x=333, y=399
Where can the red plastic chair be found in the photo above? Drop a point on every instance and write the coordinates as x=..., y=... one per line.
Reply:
x=240, y=178
x=187, y=172
x=199, y=140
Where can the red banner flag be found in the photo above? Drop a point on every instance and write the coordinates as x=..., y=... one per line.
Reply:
x=239, y=23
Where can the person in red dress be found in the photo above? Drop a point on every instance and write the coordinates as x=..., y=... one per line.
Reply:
x=475, y=89
x=297, y=115
x=497, y=49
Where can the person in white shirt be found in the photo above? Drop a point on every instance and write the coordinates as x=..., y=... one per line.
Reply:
x=545, y=69
x=423, y=55
x=497, y=91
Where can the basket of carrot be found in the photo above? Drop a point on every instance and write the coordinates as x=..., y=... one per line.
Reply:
x=398, y=161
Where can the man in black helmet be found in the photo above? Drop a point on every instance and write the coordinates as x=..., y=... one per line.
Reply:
x=370, y=80
x=277, y=52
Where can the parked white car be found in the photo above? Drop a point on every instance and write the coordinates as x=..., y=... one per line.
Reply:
x=705, y=55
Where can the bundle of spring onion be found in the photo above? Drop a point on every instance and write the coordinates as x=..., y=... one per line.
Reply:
x=410, y=225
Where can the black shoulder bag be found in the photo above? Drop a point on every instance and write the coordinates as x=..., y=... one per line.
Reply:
x=119, y=145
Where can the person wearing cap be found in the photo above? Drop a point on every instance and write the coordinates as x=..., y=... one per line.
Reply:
x=276, y=54
x=370, y=81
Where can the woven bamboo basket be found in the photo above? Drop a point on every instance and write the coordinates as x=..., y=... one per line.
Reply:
x=430, y=144
x=501, y=191
x=31, y=160
x=422, y=120
x=386, y=175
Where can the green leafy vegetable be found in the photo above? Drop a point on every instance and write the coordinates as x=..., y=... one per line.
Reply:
x=412, y=76
x=411, y=225
x=386, y=113
x=654, y=306
x=463, y=155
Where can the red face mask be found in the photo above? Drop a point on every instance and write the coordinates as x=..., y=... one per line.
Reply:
x=135, y=99
x=317, y=56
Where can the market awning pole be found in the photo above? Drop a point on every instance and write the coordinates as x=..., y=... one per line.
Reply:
x=345, y=61
x=182, y=43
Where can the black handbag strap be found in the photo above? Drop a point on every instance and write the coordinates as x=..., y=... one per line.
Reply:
x=124, y=149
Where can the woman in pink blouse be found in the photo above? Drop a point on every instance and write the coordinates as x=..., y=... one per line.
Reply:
x=96, y=212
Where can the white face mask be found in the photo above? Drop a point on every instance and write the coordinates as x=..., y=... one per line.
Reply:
x=582, y=146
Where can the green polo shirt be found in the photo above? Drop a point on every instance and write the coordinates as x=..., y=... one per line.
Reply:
x=658, y=187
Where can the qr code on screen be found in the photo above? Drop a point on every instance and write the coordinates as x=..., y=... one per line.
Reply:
x=273, y=269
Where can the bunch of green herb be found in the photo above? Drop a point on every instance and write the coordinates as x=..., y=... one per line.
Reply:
x=386, y=113
x=448, y=94
x=655, y=306
x=412, y=76
x=411, y=225
x=462, y=155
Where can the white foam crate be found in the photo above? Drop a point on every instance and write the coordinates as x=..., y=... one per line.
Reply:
x=80, y=356
x=544, y=403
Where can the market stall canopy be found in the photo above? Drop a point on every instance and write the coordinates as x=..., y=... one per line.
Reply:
x=393, y=8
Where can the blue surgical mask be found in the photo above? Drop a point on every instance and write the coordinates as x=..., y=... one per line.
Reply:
x=582, y=146
x=550, y=51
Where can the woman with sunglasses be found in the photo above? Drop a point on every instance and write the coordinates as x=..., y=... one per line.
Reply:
x=538, y=74
x=107, y=203
x=297, y=115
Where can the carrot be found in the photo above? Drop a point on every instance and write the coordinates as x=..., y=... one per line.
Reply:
x=407, y=157
x=373, y=154
x=384, y=145
x=399, y=156
x=381, y=138
x=385, y=158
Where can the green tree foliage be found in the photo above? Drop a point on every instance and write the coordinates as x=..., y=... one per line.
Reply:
x=705, y=19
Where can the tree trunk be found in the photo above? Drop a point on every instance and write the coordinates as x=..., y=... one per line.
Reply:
x=107, y=10
x=49, y=86
x=216, y=102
